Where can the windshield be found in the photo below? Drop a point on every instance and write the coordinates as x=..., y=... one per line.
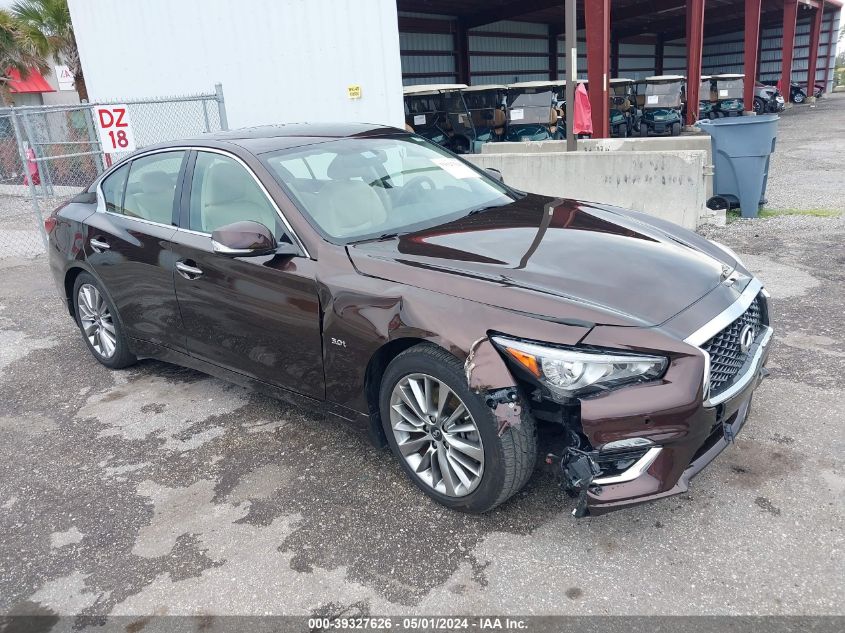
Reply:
x=353, y=189
x=663, y=95
x=530, y=107
x=729, y=88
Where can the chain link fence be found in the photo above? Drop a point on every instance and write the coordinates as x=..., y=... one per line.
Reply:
x=48, y=154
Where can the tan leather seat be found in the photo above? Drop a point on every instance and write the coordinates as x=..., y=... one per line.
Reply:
x=155, y=200
x=348, y=205
x=500, y=118
x=230, y=195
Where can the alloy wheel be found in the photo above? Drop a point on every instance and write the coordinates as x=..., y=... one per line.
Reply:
x=436, y=435
x=96, y=320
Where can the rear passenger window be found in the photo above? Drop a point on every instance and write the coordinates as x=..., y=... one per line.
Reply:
x=151, y=187
x=113, y=188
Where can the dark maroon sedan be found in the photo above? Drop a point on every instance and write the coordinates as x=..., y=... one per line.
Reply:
x=364, y=270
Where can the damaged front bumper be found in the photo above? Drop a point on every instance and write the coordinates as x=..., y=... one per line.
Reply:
x=673, y=449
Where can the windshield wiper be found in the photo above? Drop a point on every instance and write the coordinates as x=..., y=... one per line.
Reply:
x=482, y=209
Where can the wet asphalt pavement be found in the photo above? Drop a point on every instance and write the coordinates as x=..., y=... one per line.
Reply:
x=161, y=490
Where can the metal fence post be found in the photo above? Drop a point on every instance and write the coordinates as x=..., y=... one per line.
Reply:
x=99, y=162
x=43, y=173
x=36, y=210
x=221, y=106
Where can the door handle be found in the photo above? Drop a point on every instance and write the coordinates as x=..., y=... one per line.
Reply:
x=98, y=245
x=188, y=271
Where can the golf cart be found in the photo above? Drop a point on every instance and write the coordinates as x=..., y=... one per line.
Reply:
x=438, y=113
x=487, y=107
x=662, y=98
x=623, y=107
x=532, y=110
x=706, y=98
x=729, y=91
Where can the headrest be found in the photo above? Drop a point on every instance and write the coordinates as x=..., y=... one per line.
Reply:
x=349, y=166
x=155, y=182
x=226, y=183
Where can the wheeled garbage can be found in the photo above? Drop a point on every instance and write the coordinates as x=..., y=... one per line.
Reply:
x=742, y=147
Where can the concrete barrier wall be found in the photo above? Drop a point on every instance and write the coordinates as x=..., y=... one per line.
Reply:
x=666, y=184
x=631, y=144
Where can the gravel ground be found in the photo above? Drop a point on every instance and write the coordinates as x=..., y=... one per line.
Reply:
x=807, y=170
x=162, y=490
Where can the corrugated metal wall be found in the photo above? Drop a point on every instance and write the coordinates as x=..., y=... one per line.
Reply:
x=507, y=52
x=724, y=53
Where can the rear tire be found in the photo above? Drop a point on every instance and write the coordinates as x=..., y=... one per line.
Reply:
x=100, y=324
x=496, y=467
x=643, y=130
x=676, y=129
x=622, y=130
x=799, y=97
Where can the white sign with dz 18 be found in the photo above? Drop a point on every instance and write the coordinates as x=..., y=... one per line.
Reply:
x=114, y=128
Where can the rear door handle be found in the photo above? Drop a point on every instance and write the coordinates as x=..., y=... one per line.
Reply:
x=98, y=245
x=188, y=271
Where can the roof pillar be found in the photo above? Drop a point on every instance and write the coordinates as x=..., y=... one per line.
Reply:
x=752, y=40
x=815, y=34
x=597, y=22
x=695, y=45
x=790, y=15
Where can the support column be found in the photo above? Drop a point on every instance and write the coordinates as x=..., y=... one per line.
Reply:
x=790, y=15
x=462, y=53
x=815, y=34
x=752, y=43
x=597, y=23
x=695, y=45
x=554, y=32
x=658, y=55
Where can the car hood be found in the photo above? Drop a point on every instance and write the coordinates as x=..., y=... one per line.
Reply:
x=556, y=258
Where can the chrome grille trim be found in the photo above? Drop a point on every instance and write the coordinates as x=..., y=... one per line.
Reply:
x=728, y=316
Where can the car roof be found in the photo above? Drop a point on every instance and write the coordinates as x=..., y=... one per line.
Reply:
x=269, y=138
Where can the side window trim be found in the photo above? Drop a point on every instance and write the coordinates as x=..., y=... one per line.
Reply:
x=128, y=164
x=184, y=224
x=193, y=150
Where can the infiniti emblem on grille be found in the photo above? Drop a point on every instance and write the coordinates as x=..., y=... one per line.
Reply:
x=746, y=338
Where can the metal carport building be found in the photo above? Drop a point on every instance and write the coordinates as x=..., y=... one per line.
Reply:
x=502, y=41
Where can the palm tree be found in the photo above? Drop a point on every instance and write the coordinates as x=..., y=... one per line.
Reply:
x=47, y=24
x=17, y=52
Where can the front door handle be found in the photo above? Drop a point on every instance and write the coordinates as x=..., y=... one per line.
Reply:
x=98, y=245
x=188, y=271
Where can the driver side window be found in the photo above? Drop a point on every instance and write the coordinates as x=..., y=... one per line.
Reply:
x=223, y=192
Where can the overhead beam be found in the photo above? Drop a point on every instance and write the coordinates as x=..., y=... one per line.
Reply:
x=513, y=9
x=639, y=9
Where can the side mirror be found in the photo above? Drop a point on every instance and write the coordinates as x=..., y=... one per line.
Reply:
x=495, y=174
x=243, y=239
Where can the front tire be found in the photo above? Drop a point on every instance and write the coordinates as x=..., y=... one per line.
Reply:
x=445, y=436
x=100, y=323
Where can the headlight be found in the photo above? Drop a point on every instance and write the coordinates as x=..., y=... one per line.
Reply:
x=727, y=250
x=573, y=372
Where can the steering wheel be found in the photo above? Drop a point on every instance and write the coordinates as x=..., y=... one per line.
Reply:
x=414, y=187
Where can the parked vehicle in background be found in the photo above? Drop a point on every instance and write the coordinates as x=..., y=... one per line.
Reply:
x=662, y=101
x=438, y=113
x=729, y=88
x=624, y=116
x=767, y=99
x=532, y=110
x=487, y=106
x=798, y=92
x=369, y=272
x=707, y=98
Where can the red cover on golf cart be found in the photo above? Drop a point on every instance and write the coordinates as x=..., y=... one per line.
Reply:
x=583, y=123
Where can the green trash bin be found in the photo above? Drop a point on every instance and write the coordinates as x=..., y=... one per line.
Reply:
x=742, y=147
